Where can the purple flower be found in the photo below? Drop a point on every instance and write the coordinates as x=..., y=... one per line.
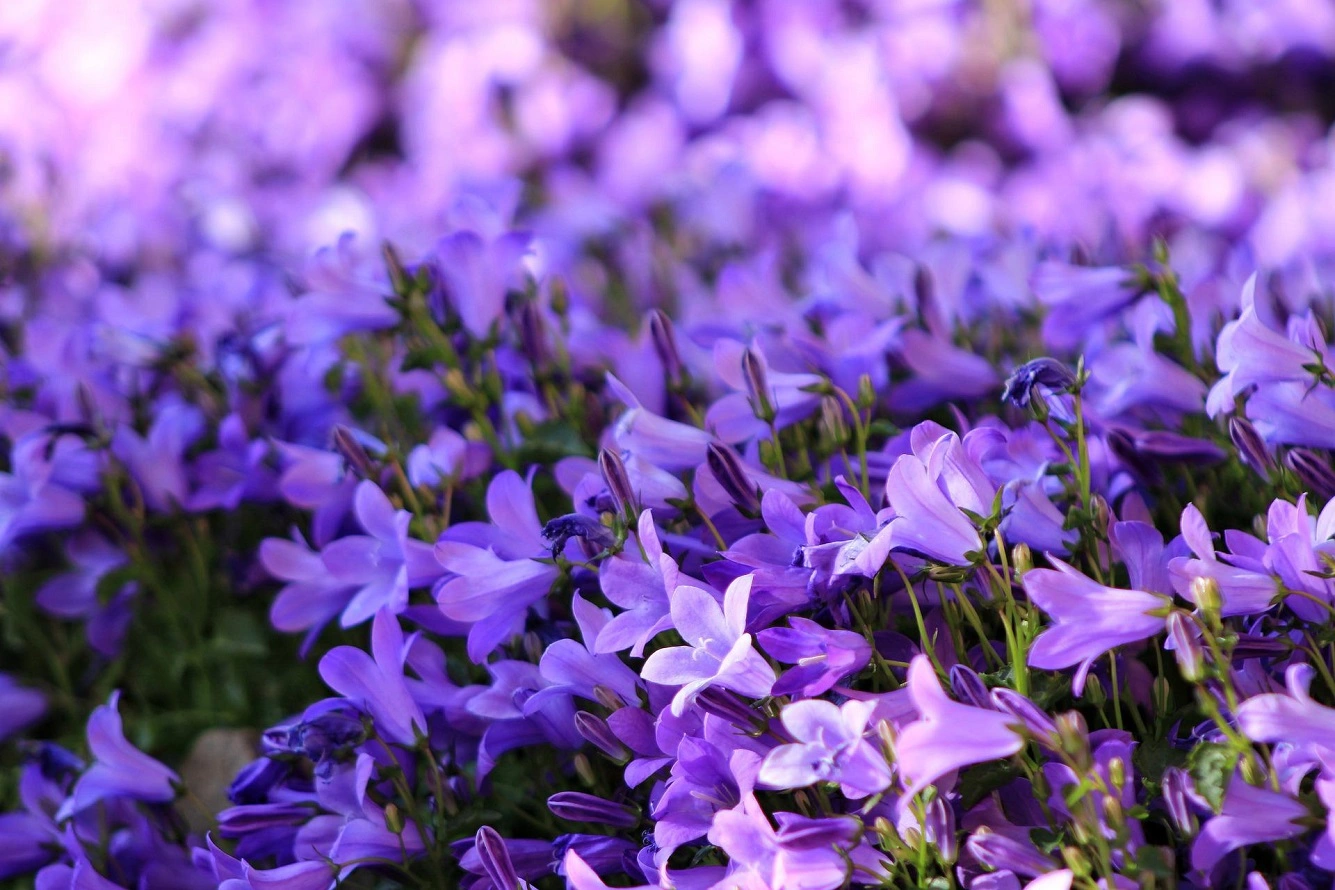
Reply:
x=383, y=564
x=737, y=417
x=1293, y=718
x=119, y=769
x=375, y=683
x=477, y=272
x=157, y=462
x=234, y=471
x=1048, y=373
x=830, y=746
x=947, y=735
x=447, y=456
x=1241, y=591
x=1090, y=618
x=926, y=522
x=312, y=595
x=637, y=580
x=718, y=650
x=822, y=656
x=36, y=496
x=73, y=594
x=805, y=854
x=1250, y=815
x=20, y=707
x=317, y=480
x=494, y=570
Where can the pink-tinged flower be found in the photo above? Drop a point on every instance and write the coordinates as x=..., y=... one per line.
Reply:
x=1090, y=618
x=119, y=769
x=719, y=651
x=947, y=735
x=830, y=746
x=1250, y=815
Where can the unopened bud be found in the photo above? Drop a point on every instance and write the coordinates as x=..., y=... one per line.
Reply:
x=584, y=769
x=1073, y=733
x=596, y=732
x=398, y=276
x=346, y=444
x=1186, y=646
x=533, y=334
x=393, y=819
x=1205, y=594
x=607, y=698
x=495, y=859
x=664, y=339
x=1076, y=861
x=558, y=295
x=1313, y=472
x=1117, y=774
x=757, y=385
x=576, y=806
x=1022, y=558
x=732, y=476
x=866, y=392
x=833, y=424
x=617, y=481
x=1252, y=449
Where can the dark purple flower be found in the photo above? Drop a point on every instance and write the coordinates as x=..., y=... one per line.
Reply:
x=1048, y=373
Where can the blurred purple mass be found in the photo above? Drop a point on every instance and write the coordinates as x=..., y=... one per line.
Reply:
x=703, y=444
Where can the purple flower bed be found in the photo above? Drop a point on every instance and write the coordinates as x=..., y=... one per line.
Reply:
x=667, y=443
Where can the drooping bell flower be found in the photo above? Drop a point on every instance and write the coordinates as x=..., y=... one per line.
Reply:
x=119, y=769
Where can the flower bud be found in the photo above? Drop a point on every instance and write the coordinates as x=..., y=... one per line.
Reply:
x=596, y=732
x=617, y=481
x=533, y=334
x=833, y=424
x=757, y=385
x=1205, y=594
x=1022, y=559
x=1035, y=719
x=1252, y=449
x=495, y=859
x=664, y=340
x=393, y=819
x=1186, y=646
x=1313, y=472
x=398, y=276
x=576, y=806
x=732, y=476
x=346, y=444
x=1176, y=797
x=969, y=687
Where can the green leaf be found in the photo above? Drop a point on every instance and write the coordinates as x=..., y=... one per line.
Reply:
x=1211, y=766
x=982, y=780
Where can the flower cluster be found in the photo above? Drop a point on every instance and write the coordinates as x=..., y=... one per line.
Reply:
x=684, y=444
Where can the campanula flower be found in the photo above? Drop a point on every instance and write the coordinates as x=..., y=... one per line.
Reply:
x=830, y=746
x=118, y=769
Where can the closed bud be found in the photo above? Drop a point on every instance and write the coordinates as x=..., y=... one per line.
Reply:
x=393, y=819
x=1073, y=733
x=1252, y=449
x=833, y=424
x=1161, y=693
x=969, y=687
x=1094, y=691
x=1205, y=594
x=727, y=706
x=866, y=392
x=1076, y=861
x=596, y=732
x=533, y=334
x=1117, y=774
x=1313, y=472
x=1101, y=514
x=1184, y=634
x=495, y=859
x=584, y=769
x=576, y=806
x=664, y=340
x=398, y=276
x=346, y=444
x=757, y=385
x=617, y=481
x=558, y=295
x=1022, y=558
x=732, y=477
x=1177, y=800
x=457, y=385
x=607, y=698
x=1113, y=813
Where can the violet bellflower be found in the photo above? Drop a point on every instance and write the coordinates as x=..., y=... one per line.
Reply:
x=1090, y=618
x=1242, y=591
x=947, y=735
x=494, y=572
x=822, y=657
x=718, y=650
x=383, y=564
x=375, y=683
x=119, y=769
x=927, y=523
x=803, y=854
x=1291, y=717
x=1250, y=815
x=830, y=746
